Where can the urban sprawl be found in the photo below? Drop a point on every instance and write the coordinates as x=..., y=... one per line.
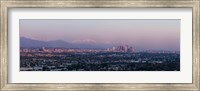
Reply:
x=121, y=58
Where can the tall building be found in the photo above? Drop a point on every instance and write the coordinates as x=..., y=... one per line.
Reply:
x=130, y=49
x=113, y=49
x=126, y=48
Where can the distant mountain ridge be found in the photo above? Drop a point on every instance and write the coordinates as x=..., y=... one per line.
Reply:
x=32, y=43
x=26, y=42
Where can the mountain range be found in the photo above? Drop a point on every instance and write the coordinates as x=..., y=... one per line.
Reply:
x=28, y=43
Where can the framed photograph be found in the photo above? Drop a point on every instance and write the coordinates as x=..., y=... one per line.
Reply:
x=99, y=45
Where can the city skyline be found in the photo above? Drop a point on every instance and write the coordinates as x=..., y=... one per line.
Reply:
x=141, y=34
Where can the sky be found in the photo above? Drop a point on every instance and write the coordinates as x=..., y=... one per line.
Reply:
x=147, y=34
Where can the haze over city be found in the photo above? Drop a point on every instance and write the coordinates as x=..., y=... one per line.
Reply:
x=144, y=34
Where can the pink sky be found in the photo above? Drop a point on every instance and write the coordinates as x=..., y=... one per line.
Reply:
x=148, y=34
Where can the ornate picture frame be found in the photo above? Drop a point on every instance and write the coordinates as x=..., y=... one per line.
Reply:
x=7, y=4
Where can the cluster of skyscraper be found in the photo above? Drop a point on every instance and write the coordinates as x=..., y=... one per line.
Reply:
x=123, y=48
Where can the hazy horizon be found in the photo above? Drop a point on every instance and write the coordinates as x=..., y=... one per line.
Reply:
x=144, y=34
